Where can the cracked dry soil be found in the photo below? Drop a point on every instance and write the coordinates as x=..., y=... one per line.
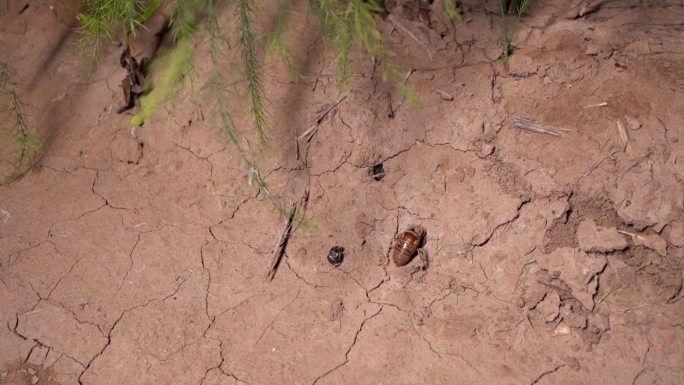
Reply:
x=138, y=256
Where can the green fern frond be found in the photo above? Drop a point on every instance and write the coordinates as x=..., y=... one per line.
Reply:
x=105, y=19
x=275, y=44
x=18, y=130
x=93, y=31
x=335, y=26
x=218, y=88
x=523, y=6
x=347, y=24
x=450, y=10
x=252, y=73
x=183, y=17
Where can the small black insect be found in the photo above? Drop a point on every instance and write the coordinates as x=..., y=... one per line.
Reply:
x=377, y=172
x=336, y=255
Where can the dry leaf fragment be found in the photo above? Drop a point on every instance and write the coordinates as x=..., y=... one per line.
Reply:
x=444, y=95
x=623, y=135
x=529, y=125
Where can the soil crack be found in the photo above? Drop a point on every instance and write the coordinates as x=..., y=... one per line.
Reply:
x=111, y=329
x=539, y=377
x=349, y=349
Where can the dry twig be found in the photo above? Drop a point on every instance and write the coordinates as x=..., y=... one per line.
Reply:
x=320, y=115
x=443, y=95
x=603, y=104
x=598, y=163
x=283, y=237
x=526, y=124
x=401, y=27
x=285, y=233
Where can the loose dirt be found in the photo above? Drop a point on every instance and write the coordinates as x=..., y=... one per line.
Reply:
x=138, y=255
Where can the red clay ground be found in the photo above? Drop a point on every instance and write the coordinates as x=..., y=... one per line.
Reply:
x=138, y=256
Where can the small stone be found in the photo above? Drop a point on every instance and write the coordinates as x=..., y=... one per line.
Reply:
x=592, y=238
x=486, y=150
x=562, y=330
x=34, y=380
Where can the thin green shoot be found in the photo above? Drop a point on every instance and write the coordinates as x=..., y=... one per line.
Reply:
x=507, y=49
x=18, y=130
x=252, y=74
x=275, y=44
x=450, y=10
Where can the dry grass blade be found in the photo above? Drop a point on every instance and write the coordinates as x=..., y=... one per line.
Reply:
x=320, y=115
x=308, y=134
x=285, y=232
x=323, y=112
x=630, y=234
x=444, y=95
x=598, y=163
x=401, y=27
x=281, y=243
x=602, y=104
x=528, y=125
x=623, y=135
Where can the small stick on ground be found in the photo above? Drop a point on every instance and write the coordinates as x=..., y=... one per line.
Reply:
x=523, y=272
x=281, y=243
x=285, y=233
x=443, y=95
x=598, y=163
x=302, y=207
x=631, y=234
x=528, y=125
x=320, y=115
x=297, y=147
x=390, y=109
x=603, y=104
x=401, y=27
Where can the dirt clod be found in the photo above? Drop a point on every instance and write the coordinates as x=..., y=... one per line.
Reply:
x=593, y=238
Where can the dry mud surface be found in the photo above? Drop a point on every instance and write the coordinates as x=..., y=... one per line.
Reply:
x=138, y=256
